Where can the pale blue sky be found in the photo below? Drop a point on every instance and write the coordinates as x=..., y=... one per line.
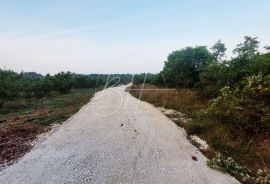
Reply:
x=121, y=36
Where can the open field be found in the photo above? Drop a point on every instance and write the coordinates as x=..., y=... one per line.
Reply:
x=22, y=120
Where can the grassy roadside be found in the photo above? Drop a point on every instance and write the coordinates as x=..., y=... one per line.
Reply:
x=253, y=154
x=22, y=120
x=182, y=100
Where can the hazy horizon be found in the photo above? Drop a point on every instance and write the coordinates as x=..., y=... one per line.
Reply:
x=120, y=37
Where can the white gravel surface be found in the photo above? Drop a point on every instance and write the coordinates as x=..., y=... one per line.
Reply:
x=114, y=139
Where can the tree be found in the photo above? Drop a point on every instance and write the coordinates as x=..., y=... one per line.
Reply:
x=240, y=65
x=182, y=67
x=47, y=84
x=63, y=82
x=36, y=86
x=218, y=50
x=247, y=49
x=260, y=64
x=212, y=79
x=9, y=85
x=81, y=81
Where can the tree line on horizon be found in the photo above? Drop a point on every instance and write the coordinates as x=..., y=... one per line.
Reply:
x=30, y=84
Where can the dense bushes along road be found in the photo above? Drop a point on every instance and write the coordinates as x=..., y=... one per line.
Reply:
x=237, y=120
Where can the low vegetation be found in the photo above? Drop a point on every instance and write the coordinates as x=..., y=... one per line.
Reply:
x=30, y=103
x=243, y=174
x=228, y=100
x=22, y=120
x=182, y=99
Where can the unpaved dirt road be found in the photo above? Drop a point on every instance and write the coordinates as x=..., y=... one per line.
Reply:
x=113, y=139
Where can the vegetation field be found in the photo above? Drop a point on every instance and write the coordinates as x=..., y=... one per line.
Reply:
x=22, y=120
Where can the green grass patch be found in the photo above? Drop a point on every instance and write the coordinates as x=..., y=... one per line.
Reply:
x=47, y=110
x=21, y=120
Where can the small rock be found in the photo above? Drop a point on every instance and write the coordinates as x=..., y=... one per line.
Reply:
x=183, y=120
x=181, y=114
x=136, y=131
x=161, y=109
x=202, y=143
x=170, y=112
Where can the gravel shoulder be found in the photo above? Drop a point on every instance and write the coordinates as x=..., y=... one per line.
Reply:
x=115, y=139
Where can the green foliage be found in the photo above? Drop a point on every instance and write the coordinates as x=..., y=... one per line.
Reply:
x=81, y=81
x=219, y=50
x=144, y=78
x=8, y=85
x=207, y=71
x=260, y=64
x=7, y=78
x=237, y=120
x=62, y=82
x=240, y=66
x=244, y=175
x=47, y=120
x=183, y=66
x=26, y=85
x=248, y=49
x=244, y=111
x=212, y=79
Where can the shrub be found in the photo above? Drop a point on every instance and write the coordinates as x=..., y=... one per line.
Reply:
x=244, y=175
x=212, y=79
x=16, y=104
x=195, y=128
x=245, y=110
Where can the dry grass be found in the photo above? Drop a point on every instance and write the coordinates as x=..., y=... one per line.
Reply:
x=254, y=154
x=183, y=100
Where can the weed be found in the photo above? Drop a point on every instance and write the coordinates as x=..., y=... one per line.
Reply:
x=244, y=175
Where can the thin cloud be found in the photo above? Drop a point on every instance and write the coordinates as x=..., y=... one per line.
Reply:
x=23, y=34
x=76, y=30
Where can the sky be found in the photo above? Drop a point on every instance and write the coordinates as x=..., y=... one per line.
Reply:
x=120, y=36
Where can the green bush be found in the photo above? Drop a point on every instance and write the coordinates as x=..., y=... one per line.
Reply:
x=212, y=79
x=244, y=175
x=244, y=110
x=183, y=66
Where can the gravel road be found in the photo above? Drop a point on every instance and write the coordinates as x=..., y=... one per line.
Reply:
x=114, y=139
